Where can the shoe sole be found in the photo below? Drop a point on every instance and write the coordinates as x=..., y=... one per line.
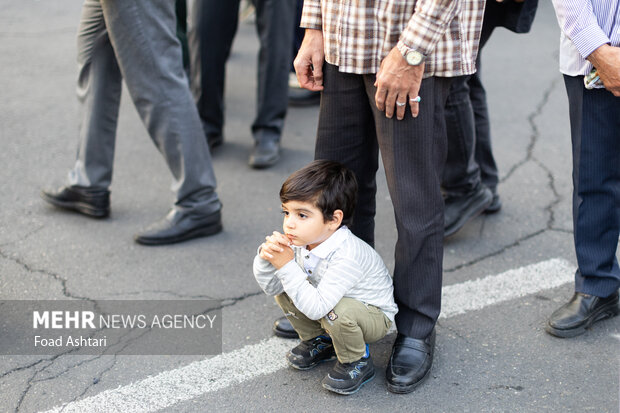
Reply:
x=350, y=390
x=408, y=389
x=196, y=233
x=492, y=209
x=285, y=334
x=264, y=165
x=608, y=311
x=464, y=219
x=304, y=368
x=81, y=207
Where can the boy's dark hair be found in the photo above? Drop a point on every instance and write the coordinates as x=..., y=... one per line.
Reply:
x=328, y=185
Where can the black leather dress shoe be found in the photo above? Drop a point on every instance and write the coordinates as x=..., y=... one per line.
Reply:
x=283, y=328
x=179, y=227
x=266, y=150
x=94, y=203
x=459, y=210
x=580, y=313
x=410, y=363
x=496, y=204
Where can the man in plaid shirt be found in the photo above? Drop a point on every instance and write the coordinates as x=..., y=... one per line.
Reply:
x=384, y=68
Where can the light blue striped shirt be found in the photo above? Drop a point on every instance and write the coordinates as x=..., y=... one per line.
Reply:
x=586, y=25
x=341, y=266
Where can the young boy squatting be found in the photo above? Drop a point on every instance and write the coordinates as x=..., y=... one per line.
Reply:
x=332, y=286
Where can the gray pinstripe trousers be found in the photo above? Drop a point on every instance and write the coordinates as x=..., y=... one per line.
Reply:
x=136, y=41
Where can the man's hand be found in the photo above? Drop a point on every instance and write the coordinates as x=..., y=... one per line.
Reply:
x=397, y=81
x=606, y=59
x=309, y=61
x=276, y=250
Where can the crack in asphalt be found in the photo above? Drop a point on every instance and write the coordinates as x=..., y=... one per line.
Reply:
x=20, y=368
x=529, y=157
x=93, y=383
x=22, y=397
x=61, y=280
x=529, y=153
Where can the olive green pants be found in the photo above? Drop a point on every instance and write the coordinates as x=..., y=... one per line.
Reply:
x=351, y=324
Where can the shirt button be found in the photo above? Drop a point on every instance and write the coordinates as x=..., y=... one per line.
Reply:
x=307, y=256
x=309, y=271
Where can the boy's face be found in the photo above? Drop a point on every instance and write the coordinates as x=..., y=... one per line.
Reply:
x=304, y=224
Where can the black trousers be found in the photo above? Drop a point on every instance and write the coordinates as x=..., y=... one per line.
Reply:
x=211, y=33
x=352, y=131
x=595, y=132
x=470, y=156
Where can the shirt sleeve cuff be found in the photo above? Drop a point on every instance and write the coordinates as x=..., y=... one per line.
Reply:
x=589, y=39
x=311, y=17
x=427, y=26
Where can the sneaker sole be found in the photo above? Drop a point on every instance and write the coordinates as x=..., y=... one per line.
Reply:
x=196, y=233
x=311, y=366
x=81, y=207
x=608, y=311
x=350, y=390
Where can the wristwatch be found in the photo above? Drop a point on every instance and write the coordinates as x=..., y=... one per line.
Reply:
x=413, y=57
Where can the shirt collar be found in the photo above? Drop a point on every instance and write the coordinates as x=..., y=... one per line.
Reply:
x=331, y=243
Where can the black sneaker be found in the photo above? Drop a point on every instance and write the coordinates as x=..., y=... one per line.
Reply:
x=347, y=378
x=310, y=353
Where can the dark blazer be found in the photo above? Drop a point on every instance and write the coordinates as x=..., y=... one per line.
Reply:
x=514, y=16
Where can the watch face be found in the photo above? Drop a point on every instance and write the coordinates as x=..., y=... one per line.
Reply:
x=414, y=58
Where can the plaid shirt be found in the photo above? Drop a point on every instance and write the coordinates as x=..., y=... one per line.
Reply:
x=358, y=34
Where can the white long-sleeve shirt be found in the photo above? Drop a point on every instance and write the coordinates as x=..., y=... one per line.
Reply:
x=341, y=266
x=586, y=25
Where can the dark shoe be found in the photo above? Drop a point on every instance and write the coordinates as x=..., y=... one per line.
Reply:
x=496, y=204
x=347, y=378
x=580, y=313
x=90, y=202
x=461, y=209
x=215, y=140
x=410, y=363
x=283, y=328
x=310, y=353
x=266, y=150
x=303, y=97
x=178, y=227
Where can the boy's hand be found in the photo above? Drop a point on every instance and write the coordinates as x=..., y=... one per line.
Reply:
x=276, y=250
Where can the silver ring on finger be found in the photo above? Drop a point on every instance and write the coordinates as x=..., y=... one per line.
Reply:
x=415, y=99
x=401, y=104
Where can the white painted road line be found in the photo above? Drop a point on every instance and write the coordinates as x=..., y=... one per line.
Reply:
x=202, y=377
x=185, y=383
x=476, y=294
